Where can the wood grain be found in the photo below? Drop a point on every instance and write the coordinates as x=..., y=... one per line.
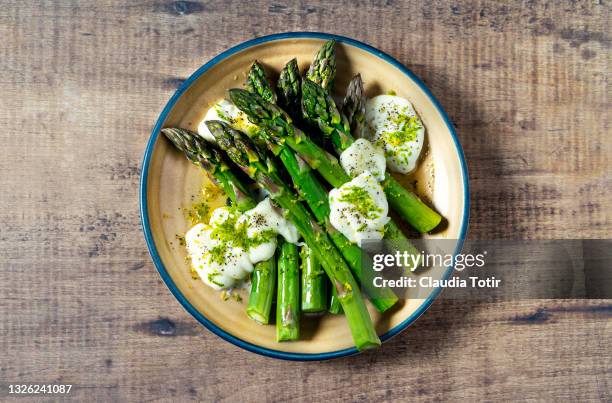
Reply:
x=82, y=83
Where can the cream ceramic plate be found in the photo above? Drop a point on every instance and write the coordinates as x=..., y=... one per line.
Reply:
x=169, y=182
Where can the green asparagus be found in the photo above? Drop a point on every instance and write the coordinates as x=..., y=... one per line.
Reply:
x=263, y=282
x=289, y=89
x=258, y=83
x=314, y=282
x=207, y=156
x=288, y=294
x=353, y=106
x=238, y=147
x=323, y=69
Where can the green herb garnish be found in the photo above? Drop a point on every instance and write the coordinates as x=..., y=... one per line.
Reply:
x=361, y=202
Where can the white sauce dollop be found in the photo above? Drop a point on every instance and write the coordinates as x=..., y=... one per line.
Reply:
x=359, y=209
x=266, y=217
x=227, y=112
x=234, y=264
x=217, y=250
x=363, y=156
x=393, y=123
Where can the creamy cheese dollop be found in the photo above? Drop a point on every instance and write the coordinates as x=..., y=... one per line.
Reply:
x=363, y=156
x=359, y=208
x=263, y=219
x=227, y=112
x=225, y=251
x=393, y=124
x=219, y=262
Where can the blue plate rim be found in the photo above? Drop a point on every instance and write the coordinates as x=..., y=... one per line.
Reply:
x=144, y=214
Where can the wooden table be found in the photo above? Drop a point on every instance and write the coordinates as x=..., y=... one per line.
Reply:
x=82, y=83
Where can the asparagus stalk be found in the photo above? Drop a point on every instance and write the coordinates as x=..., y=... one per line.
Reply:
x=210, y=158
x=288, y=295
x=263, y=282
x=238, y=147
x=319, y=108
x=323, y=69
x=314, y=282
x=206, y=155
x=315, y=195
x=353, y=106
x=289, y=89
x=258, y=83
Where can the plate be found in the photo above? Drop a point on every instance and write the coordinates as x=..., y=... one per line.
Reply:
x=169, y=183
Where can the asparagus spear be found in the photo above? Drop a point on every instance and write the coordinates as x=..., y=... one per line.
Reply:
x=289, y=89
x=211, y=159
x=238, y=147
x=263, y=282
x=323, y=69
x=288, y=294
x=353, y=106
x=319, y=108
x=313, y=192
x=258, y=83
x=314, y=282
